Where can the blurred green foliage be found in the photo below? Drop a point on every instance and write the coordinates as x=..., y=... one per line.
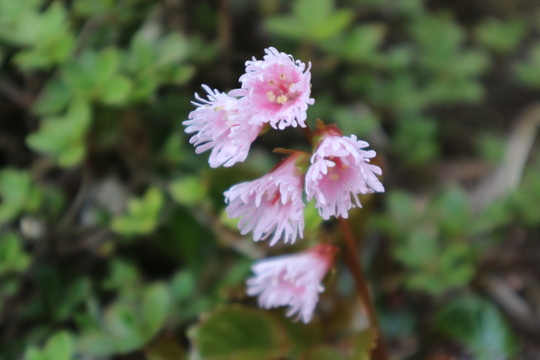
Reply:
x=113, y=238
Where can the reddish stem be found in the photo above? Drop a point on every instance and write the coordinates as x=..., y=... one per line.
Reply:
x=351, y=260
x=309, y=134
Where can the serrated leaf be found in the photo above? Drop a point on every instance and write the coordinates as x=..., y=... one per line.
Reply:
x=237, y=333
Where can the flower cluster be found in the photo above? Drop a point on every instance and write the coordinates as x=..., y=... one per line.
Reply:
x=275, y=92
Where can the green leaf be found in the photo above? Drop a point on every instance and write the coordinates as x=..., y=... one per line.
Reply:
x=188, y=191
x=59, y=347
x=116, y=91
x=363, y=342
x=32, y=353
x=172, y=49
x=314, y=20
x=415, y=140
x=106, y=65
x=72, y=296
x=155, y=307
x=452, y=211
x=324, y=352
x=56, y=98
x=48, y=41
x=332, y=26
x=528, y=71
x=12, y=256
x=438, y=36
x=129, y=323
x=120, y=322
x=499, y=36
x=89, y=8
x=312, y=12
x=183, y=286
x=142, y=215
x=312, y=218
x=420, y=249
x=238, y=333
x=477, y=324
x=14, y=188
x=122, y=276
x=362, y=42
x=63, y=137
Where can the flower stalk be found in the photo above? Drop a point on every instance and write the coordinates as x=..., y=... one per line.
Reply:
x=353, y=264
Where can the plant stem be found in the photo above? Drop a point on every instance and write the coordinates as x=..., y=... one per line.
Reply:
x=308, y=134
x=351, y=260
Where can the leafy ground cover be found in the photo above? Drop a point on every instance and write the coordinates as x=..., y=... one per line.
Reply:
x=114, y=242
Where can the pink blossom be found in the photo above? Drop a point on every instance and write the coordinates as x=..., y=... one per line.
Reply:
x=271, y=205
x=292, y=280
x=277, y=89
x=340, y=171
x=219, y=124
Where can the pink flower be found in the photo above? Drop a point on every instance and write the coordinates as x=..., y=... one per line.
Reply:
x=219, y=125
x=271, y=205
x=277, y=89
x=340, y=171
x=292, y=280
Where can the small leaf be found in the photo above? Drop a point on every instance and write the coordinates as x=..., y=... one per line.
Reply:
x=188, y=191
x=59, y=347
x=364, y=342
x=32, y=353
x=106, y=65
x=501, y=37
x=172, y=49
x=183, y=286
x=154, y=310
x=529, y=71
x=116, y=90
x=142, y=215
x=63, y=137
x=477, y=324
x=14, y=188
x=12, y=256
x=237, y=333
